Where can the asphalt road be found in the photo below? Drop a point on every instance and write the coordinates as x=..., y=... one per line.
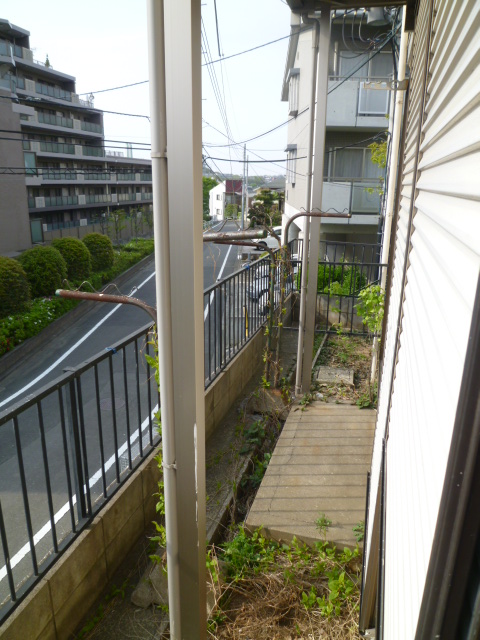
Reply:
x=110, y=416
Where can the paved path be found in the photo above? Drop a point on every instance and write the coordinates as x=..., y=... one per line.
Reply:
x=319, y=466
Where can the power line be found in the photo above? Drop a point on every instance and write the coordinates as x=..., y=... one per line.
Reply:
x=205, y=64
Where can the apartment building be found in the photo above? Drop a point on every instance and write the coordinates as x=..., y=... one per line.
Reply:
x=56, y=168
x=360, y=52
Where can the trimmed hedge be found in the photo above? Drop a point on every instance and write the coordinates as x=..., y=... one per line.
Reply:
x=101, y=251
x=14, y=287
x=77, y=257
x=45, y=268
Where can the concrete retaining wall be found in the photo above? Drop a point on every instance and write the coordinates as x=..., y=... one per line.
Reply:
x=229, y=385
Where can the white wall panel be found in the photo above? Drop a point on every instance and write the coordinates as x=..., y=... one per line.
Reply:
x=437, y=304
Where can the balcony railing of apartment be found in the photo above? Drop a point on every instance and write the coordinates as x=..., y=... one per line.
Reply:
x=58, y=201
x=147, y=196
x=12, y=82
x=97, y=176
x=98, y=197
x=8, y=49
x=57, y=174
x=147, y=177
x=58, y=121
x=354, y=195
x=353, y=98
x=57, y=147
x=91, y=126
x=53, y=92
x=97, y=152
x=125, y=176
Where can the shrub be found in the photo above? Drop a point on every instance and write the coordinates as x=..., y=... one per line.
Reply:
x=101, y=251
x=340, y=280
x=77, y=257
x=14, y=288
x=45, y=268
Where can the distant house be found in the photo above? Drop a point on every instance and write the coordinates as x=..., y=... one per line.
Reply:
x=227, y=192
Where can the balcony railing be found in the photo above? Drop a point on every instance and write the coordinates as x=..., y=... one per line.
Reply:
x=58, y=121
x=352, y=104
x=53, y=92
x=98, y=197
x=353, y=196
x=147, y=196
x=125, y=176
x=8, y=49
x=57, y=174
x=97, y=152
x=97, y=176
x=146, y=177
x=59, y=201
x=91, y=126
x=57, y=147
x=71, y=446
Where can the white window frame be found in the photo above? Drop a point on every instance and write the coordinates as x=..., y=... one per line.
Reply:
x=293, y=91
x=291, y=151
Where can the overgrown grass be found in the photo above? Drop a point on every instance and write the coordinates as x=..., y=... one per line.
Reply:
x=16, y=328
x=265, y=590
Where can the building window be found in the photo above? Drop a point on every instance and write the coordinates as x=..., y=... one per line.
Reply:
x=293, y=91
x=30, y=164
x=351, y=164
x=291, y=164
x=219, y=196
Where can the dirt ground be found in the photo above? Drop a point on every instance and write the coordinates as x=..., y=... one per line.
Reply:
x=348, y=352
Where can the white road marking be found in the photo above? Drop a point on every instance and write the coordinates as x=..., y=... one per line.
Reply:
x=207, y=306
x=18, y=557
x=69, y=351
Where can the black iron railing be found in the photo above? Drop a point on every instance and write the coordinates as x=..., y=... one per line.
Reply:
x=64, y=453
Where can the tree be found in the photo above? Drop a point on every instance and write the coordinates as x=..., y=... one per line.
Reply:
x=208, y=184
x=265, y=210
x=117, y=220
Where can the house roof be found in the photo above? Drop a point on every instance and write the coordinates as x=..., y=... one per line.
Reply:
x=233, y=186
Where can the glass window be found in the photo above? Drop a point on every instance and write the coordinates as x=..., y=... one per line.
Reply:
x=348, y=163
x=30, y=164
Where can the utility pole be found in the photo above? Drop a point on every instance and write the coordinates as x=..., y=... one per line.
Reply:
x=243, y=185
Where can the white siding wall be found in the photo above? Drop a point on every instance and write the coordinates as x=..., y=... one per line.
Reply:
x=441, y=278
x=216, y=204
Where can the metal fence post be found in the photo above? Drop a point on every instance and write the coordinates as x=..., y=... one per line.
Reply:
x=71, y=416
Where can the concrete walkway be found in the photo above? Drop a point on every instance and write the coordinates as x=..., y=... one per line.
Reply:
x=319, y=466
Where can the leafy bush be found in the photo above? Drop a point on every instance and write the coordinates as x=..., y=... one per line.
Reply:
x=18, y=327
x=101, y=251
x=45, y=268
x=340, y=280
x=77, y=257
x=14, y=288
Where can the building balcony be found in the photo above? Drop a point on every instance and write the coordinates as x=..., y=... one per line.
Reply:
x=92, y=127
x=43, y=202
x=353, y=105
x=360, y=198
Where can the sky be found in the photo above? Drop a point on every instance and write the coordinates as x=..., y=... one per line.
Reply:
x=104, y=45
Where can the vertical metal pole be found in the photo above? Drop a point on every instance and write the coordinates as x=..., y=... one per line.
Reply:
x=308, y=207
x=175, y=86
x=243, y=188
x=317, y=188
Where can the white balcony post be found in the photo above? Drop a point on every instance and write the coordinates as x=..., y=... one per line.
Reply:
x=175, y=99
x=317, y=188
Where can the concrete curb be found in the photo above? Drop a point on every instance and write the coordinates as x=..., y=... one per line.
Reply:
x=29, y=347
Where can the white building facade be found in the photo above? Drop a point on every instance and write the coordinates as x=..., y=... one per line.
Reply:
x=355, y=118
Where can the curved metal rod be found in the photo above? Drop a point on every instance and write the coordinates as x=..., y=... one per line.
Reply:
x=107, y=297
